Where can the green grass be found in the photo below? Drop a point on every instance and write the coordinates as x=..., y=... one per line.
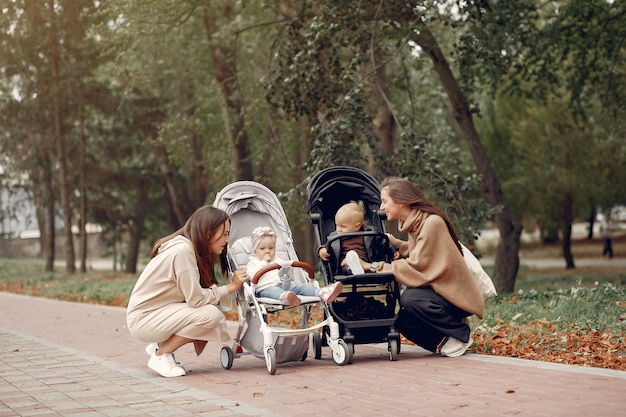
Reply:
x=598, y=308
x=27, y=276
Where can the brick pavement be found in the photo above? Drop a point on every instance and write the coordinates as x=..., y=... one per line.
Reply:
x=73, y=359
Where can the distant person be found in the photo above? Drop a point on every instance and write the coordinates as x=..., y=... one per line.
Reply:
x=352, y=252
x=174, y=301
x=606, y=232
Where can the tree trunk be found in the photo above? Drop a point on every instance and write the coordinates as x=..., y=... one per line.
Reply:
x=136, y=226
x=384, y=122
x=226, y=83
x=44, y=201
x=305, y=240
x=64, y=187
x=507, y=252
x=50, y=215
x=568, y=220
x=83, y=188
x=592, y=219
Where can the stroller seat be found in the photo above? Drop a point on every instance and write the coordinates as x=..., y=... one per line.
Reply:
x=240, y=253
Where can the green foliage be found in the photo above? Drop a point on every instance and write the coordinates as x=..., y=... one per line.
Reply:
x=536, y=151
x=307, y=83
x=443, y=180
x=596, y=307
x=578, y=51
x=322, y=72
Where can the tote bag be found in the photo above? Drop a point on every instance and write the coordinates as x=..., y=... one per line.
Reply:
x=480, y=276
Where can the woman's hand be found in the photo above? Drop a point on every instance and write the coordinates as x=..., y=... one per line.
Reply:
x=239, y=277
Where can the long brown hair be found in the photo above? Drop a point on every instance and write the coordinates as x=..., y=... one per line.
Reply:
x=205, y=221
x=402, y=191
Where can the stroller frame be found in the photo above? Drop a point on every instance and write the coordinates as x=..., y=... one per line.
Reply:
x=328, y=190
x=250, y=204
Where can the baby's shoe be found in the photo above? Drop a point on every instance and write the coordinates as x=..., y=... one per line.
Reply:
x=352, y=259
x=330, y=292
x=290, y=298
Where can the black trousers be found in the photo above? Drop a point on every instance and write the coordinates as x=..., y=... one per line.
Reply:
x=426, y=318
x=608, y=248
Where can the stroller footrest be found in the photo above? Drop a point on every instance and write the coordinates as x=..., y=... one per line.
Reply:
x=367, y=278
x=274, y=302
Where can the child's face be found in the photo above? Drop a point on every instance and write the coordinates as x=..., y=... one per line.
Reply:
x=266, y=249
x=344, y=223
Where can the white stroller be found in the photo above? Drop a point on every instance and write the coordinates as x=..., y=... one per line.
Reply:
x=250, y=204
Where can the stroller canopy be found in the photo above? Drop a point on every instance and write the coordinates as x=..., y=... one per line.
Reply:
x=250, y=204
x=332, y=187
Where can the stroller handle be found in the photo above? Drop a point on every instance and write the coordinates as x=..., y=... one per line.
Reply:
x=270, y=267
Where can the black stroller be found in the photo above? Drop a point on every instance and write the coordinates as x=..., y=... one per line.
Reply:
x=367, y=308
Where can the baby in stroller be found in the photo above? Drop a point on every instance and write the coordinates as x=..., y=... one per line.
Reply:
x=277, y=284
x=351, y=252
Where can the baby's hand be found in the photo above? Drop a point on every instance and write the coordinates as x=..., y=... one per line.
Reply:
x=396, y=255
x=267, y=258
x=323, y=253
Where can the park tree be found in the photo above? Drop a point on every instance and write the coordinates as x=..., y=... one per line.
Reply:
x=322, y=74
x=201, y=76
x=178, y=98
x=48, y=50
x=493, y=46
x=537, y=152
x=561, y=96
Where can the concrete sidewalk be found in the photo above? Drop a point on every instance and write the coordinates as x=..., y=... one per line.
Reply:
x=72, y=359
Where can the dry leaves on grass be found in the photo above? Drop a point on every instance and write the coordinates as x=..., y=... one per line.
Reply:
x=543, y=341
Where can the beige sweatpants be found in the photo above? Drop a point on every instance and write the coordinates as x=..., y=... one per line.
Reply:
x=196, y=323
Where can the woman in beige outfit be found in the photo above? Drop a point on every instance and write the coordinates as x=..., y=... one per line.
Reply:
x=440, y=292
x=174, y=301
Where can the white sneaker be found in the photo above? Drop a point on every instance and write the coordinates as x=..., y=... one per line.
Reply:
x=330, y=292
x=352, y=258
x=165, y=365
x=454, y=347
x=153, y=347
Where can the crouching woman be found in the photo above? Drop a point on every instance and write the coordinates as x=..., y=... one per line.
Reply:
x=174, y=301
x=440, y=291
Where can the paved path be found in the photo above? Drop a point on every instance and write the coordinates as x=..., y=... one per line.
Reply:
x=72, y=359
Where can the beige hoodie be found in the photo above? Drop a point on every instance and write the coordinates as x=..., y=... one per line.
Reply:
x=172, y=276
x=430, y=257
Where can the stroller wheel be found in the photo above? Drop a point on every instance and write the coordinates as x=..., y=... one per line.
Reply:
x=226, y=357
x=351, y=350
x=270, y=360
x=394, y=348
x=342, y=355
x=317, y=345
